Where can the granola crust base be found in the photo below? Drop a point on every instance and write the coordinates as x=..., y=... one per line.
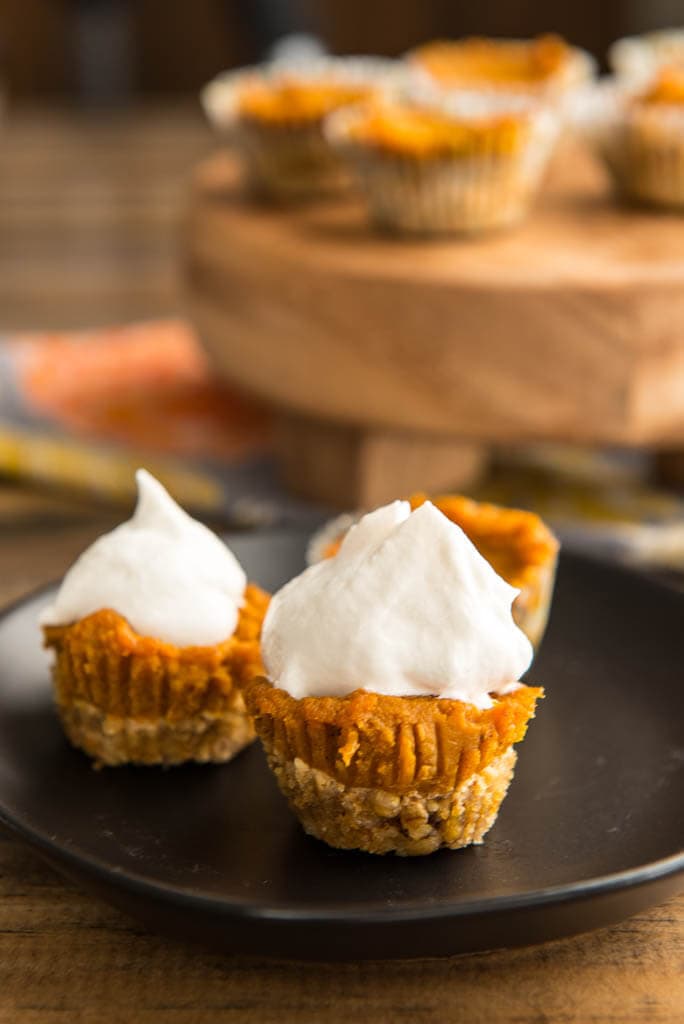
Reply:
x=109, y=740
x=399, y=744
x=379, y=821
x=124, y=698
x=391, y=774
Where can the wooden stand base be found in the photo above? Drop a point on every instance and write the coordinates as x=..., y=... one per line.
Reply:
x=353, y=467
x=376, y=349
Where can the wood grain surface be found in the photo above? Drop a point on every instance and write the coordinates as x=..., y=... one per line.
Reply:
x=566, y=328
x=64, y=957
x=110, y=201
x=90, y=206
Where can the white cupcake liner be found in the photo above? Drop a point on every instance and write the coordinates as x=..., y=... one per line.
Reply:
x=448, y=195
x=288, y=161
x=641, y=145
x=636, y=59
x=293, y=158
x=648, y=161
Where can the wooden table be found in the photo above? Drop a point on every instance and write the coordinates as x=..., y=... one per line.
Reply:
x=87, y=218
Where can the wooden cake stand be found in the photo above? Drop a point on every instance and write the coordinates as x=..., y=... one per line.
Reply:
x=394, y=364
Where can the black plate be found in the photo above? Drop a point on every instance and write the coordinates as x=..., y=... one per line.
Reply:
x=590, y=832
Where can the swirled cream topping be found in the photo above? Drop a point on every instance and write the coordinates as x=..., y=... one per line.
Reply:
x=167, y=574
x=408, y=607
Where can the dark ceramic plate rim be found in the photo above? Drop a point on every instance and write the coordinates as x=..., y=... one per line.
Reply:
x=352, y=914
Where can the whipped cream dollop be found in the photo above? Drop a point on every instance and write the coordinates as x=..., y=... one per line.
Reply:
x=167, y=574
x=408, y=607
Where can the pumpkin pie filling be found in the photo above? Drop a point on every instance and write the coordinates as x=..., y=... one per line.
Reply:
x=286, y=100
x=667, y=88
x=410, y=130
x=475, y=61
x=391, y=774
x=126, y=698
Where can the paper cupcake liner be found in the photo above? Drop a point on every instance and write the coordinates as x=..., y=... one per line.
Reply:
x=398, y=744
x=647, y=159
x=408, y=196
x=123, y=697
x=447, y=195
x=378, y=821
x=533, y=548
x=642, y=146
x=291, y=159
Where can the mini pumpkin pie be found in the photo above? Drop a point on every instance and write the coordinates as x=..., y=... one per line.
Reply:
x=392, y=698
x=516, y=543
x=153, y=629
x=640, y=136
x=545, y=67
x=436, y=166
x=274, y=116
